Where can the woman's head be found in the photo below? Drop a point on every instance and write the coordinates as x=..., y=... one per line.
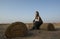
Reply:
x=37, y=13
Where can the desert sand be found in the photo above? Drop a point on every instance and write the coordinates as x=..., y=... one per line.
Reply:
x=34, y=34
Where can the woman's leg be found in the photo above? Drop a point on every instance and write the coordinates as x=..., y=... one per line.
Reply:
x=38, y=25
x=34, y=26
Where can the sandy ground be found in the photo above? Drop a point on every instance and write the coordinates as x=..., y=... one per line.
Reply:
x=34, y=34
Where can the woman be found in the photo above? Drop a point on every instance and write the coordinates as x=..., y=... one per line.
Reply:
x=37, y=21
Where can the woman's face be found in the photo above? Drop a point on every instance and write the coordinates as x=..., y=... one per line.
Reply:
x=36, y=13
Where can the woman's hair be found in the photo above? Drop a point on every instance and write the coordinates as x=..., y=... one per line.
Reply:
x=37, y=15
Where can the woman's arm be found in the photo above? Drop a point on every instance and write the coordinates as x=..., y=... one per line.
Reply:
x=34, y=21
x=40, y=20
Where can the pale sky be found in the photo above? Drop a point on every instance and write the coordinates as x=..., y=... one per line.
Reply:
x=24, y=10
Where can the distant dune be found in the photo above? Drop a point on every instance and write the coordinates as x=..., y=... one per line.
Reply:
x=34, y=34
x=30, y=25
x=56, y=24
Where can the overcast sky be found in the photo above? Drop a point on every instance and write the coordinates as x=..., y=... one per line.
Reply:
x=24, y=10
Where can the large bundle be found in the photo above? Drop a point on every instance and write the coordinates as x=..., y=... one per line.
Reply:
x=47, y=26
x=16, y=29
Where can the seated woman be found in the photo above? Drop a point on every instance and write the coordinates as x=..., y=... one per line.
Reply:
x=37, y=21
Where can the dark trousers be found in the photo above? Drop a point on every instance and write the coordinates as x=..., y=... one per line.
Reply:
x=36, y=25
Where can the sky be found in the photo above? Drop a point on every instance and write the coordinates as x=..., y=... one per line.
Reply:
x=24, y=10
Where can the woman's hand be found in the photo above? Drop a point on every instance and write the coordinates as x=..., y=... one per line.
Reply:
x=34, y=21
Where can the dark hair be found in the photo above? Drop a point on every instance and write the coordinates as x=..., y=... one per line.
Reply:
x=37, y=15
